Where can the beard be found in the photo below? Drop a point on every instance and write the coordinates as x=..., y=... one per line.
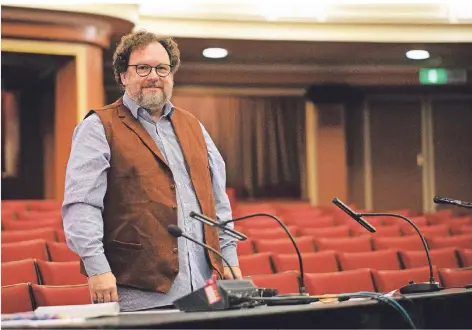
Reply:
x=152, y=100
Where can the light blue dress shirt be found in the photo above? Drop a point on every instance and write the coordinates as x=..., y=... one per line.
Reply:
x=85, y=188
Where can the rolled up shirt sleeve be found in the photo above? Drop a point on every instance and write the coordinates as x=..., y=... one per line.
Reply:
x=85, y=188
x=223, y=207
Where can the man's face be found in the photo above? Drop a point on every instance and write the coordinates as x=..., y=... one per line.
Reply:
x=151, y=92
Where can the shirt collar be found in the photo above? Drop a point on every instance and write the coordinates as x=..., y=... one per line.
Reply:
x=134, y=107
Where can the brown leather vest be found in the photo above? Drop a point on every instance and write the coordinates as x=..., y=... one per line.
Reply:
x=140, y=201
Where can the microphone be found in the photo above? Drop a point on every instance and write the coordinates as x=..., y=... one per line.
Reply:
x=445, y=200
x=176, y=232
x=209, y=221
x=354, y=215
x=220, y=294
x=222, y=224
x=430, y=286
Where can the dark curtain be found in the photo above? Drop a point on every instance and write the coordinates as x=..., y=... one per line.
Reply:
x=261, y=138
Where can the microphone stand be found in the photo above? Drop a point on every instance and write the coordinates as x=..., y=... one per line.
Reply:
x=300, y=262
x=430, y=286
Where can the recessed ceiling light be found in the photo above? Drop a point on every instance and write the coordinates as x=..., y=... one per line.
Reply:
x=417, y=54
x=215, y=52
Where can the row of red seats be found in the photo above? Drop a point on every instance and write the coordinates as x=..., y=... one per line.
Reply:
x=333, y=261
x=38, y=249
x=42, y=272
x=26, y=297
x=47, y=233
x=351, y=244
x=347, y=231
x=364, y=279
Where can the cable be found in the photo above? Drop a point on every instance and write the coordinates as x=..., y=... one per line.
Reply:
x=384, y=298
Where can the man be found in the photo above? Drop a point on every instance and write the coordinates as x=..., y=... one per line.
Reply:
x=137, y=166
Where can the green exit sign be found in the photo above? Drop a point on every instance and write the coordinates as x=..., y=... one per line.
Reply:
x=433, y=76
x=440, y=76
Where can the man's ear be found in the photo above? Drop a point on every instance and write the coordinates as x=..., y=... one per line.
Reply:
x=124, y=78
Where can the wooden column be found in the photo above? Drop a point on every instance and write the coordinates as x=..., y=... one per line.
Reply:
x=80, y=39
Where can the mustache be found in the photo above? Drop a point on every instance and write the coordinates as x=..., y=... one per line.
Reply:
x=154, y=86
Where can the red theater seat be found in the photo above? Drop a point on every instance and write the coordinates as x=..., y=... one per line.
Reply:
x=35, y=249
x=326, y=232
x=45, y=295
x=286, y=282
x=456, y=277
x=398, y=243
x=339, y=282
x=352, y=244
x=17, y=298
x=465, y=256
x=20, y=271
x=284, y=245
x=441, y=258
x=388, y=280
x=382, y=260
x=60, y=252
x=255, y=264
x=313, y=262
x=60, y=273
x=11, y=236
x=459, y=242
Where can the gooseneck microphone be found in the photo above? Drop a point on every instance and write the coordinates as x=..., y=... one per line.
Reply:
x=223, y=224
x=353, y=215
x=209, y=221
x=176, y=232
x=430, y=286
x=445, y=200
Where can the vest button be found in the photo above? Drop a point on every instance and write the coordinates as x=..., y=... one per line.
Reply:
x=174, y=207
x=175, y=250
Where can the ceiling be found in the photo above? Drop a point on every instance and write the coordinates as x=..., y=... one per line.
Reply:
x=297, y=64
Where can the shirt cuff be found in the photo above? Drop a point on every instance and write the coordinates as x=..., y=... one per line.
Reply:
x=230, y=254
x=95, y=265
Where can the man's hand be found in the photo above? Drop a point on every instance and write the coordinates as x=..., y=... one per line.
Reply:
x=103, y=288
x=227, y=273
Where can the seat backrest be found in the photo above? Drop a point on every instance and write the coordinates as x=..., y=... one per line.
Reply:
x=441, y=230
x=17, y=298
x=351, y=244
x=442, y=258
x=381, y=231
x=28, y=225
x=60, y=252
x=286, y=282
x=46, y=295
x=438, y=217
x=399, y=243
x=261, y=222
x=60, y=273
x=463, y=229
x=313, y=262
x=339, y=282
x=284, y=245
x=255, y=264
x=459, y=242
x=10, y=236
x=271, y=233
x=34, y=249
x=465, y=256
x=326, y=232
x=245, y=247
x=456, y=277
x=313, y=222
x=383, y=259
x=388, y=280
x=20, y=271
